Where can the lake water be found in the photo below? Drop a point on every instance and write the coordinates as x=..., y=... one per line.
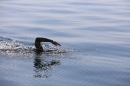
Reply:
x=94, y=33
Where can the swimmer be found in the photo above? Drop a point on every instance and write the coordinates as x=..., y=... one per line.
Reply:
x=38, y=41
x=6, y=47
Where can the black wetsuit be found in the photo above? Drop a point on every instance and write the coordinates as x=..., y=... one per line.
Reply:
x=38, y=41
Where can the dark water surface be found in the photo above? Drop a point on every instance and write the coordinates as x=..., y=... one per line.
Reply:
x=95, y=35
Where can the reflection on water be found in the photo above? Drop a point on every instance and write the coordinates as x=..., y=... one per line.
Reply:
x=43, y=68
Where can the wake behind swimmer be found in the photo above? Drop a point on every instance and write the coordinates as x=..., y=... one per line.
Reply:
x=11, y=47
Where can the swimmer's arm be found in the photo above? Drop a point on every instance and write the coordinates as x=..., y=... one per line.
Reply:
x=40, y=39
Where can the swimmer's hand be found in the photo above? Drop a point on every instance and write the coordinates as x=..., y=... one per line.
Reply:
x=55, y=43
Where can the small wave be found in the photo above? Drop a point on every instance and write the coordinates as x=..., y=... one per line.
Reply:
x=14, y=48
